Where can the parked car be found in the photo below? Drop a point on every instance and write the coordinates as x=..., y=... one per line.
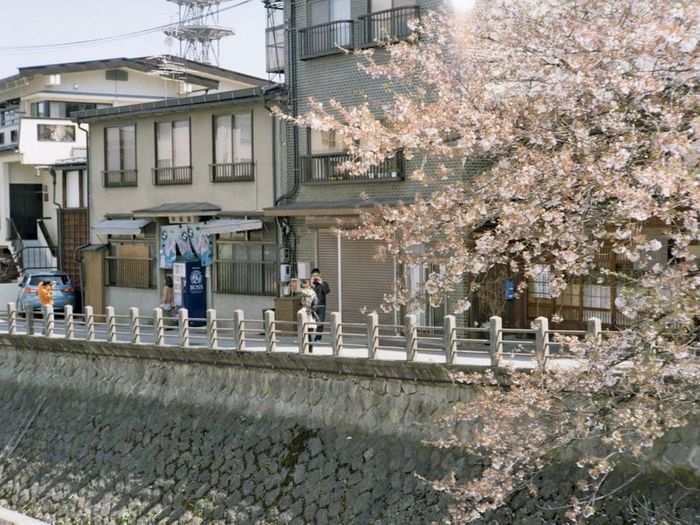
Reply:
x=28, y=295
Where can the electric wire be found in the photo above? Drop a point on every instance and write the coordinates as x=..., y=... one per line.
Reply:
x=113, y=38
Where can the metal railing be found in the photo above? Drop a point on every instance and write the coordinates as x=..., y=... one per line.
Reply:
x=233, y=172
x=172, y=176
x=120, y=178
x=388, y=25
x=326, y=39
x=329, y=168
x=488, y=346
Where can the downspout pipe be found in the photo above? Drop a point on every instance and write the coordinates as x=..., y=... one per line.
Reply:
x=88, y=202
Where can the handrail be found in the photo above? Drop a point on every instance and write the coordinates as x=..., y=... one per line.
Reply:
x=47, y=236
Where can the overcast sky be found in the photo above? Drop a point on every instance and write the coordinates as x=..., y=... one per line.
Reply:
x=32, y=22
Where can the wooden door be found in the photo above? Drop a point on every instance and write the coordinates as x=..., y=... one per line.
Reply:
x=73, y=235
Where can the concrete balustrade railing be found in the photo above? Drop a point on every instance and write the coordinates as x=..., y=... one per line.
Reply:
x=333, y=337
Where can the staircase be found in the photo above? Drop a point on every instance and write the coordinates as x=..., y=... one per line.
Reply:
x=28, y=254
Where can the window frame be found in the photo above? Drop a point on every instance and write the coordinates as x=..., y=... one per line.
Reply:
x=121, y=169
x=215, y=129
x=172, y=142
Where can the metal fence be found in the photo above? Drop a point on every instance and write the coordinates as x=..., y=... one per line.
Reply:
x=449, y=343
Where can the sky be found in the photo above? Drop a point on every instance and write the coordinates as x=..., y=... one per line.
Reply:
x=33, y=22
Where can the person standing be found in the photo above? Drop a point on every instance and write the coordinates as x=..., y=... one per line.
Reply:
x=322, y=290
x=45, y=296
x=308, y=311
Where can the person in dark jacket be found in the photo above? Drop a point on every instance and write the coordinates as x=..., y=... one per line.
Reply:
x=322, y=290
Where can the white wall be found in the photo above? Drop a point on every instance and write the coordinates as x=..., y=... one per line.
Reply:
x=36, y=152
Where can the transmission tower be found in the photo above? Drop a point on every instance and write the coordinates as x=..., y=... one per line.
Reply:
x=198, y=30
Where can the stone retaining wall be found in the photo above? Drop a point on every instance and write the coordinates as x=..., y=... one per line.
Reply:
x=95, y=433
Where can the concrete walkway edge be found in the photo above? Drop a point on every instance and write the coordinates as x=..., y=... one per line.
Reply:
x=9, y=517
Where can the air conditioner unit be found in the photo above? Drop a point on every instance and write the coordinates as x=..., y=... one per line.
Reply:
x=53, y=80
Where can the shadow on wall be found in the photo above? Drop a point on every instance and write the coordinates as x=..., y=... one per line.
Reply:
x=110, y=459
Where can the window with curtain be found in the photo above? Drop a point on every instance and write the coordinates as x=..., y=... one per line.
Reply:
x=121, y=148
x=324, y=11
x=234, y=138
x=173, y=144
x=325, y=142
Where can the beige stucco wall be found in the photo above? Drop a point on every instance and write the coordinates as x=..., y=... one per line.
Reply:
x=231, y=196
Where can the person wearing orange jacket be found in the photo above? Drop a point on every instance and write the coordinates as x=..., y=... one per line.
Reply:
x=45, y=295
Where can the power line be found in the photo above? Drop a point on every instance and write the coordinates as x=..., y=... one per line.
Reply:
x=113, y=38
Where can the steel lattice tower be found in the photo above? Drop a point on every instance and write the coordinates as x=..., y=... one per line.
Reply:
x=198, y=30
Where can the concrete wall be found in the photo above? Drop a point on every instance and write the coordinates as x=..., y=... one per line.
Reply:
x=98, y=433
x=244, y=196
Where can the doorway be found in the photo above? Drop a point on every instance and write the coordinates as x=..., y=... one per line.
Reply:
x=26, y=206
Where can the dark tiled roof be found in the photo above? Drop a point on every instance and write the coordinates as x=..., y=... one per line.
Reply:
x=181, y=207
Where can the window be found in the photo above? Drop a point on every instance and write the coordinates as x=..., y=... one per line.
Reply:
x=173, y=144
x=2, y=139
x=325, y=142
x=388, y=19
x=117, y=75
x=120, y=156
x=173, y=153
x=247, y=267
x=55, y=133
x=233, y=148
x=324, y=11
x=73, y=189
x=58, y=109
x=129, y=265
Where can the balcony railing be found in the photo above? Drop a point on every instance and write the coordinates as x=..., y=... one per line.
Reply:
x=172, y=176
x=9, y=137
x=120, y=178
x=235, y=172
x=389, y=25
x=326, y=39
x=327, y=168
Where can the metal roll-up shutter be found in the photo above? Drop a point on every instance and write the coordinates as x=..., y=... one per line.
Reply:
x=328, y=264
x=365, y=279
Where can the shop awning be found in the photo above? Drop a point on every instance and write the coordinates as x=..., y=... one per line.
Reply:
x=230, y=226
x=121, y=226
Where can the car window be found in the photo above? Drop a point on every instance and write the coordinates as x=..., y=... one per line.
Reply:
x=35, y=280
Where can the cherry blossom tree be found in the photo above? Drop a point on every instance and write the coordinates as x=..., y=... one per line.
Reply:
x=588, y=112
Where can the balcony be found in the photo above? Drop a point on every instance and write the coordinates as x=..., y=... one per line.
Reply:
x=120, y=178
x=326, y=39
x=324, y=169
x=235, y=172
x=9, y=137
x=44, y=141
x=172, y=176
x=389, y=25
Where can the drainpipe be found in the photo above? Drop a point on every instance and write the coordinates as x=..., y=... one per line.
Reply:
x=88, y=202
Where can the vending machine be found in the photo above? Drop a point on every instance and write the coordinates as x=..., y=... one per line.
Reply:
x=190, y=288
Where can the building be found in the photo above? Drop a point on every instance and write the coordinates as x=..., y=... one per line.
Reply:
x=184, y=179
x=303, y=42
x=44, y=190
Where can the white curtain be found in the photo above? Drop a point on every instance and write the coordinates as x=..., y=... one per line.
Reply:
x=164, y=144
x=181, y=141
x=243, y=138
x=223, y=145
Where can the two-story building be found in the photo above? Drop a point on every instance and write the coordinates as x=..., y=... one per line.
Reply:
x=43, y=183
x=184, y=180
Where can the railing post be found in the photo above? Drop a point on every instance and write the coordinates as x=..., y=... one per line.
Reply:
x=158, y=327
x=450, y=338
x=11, y=318
x=212, y=329
x=49, y=321
x=270, y=331
x=594, y=328
x=90, y=323
x=135, y=325
x=29, y=319
x=111, y=324
x=336, y=333
x=541, y=340
x=372, y=335
x=239, y=329
x=183, y=323
x=69, y=320
x=411, y=337
x=302, y=330
x=496, y=340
